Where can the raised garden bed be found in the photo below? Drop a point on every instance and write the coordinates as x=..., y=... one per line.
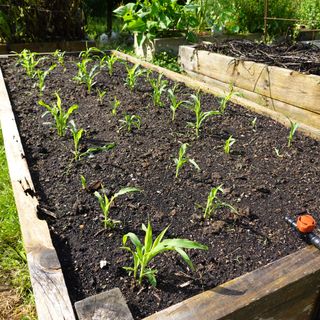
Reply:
x=263, y=185
x=280, y=90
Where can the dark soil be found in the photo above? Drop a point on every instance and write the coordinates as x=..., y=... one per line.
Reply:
x=262, y=186
x=299, y=56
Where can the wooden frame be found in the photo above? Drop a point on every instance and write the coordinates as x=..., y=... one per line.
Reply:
x=286, y=289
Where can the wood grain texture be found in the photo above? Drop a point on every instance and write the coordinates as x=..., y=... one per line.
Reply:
x=51, y=296
x=286, y=289
x=281, y=84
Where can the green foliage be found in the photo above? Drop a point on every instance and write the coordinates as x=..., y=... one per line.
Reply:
x=77, y=135
x=159, y=86
x=42, y=74
x=224, y=101
x=60, y=116
x=174, y=103
x=309, y=11
x=105, y=204
x=101, y=94
x=144, y=253
x=132, y=75
x=201, y=116
x=109, y=61
x=83, y=182
x=183, y=159
x=28, y=61
x=91, y=53
x=214, y=203
x=293, y=127
x=228, y=143
x=115, y=106
x=168, y=61
x=59, y=55
x=130, y=121
x=85, y=76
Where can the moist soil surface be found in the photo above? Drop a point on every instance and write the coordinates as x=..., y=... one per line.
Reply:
x=260, y=184
x=298, y=56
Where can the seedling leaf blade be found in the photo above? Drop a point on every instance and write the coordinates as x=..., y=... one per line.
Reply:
x=126, y=190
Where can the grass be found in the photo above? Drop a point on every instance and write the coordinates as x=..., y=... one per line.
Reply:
x=15, y=294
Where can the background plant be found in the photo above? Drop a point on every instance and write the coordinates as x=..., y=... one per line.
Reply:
x=28, y=61
x=59, y=55
x=159, y=86
x=201, y=116
x=105, y=203
x=132, y=75
x=183, y=159
x=109, y=61
x=60, y=116
x=42, y=74
x=144, y=253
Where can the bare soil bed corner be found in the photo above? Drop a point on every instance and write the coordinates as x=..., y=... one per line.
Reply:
x=262, y=184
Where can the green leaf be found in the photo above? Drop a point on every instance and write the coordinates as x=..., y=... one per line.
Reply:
x=184, y=243
x=148, y=238
x=126, y=190
x=133, y=238
x=185, y=257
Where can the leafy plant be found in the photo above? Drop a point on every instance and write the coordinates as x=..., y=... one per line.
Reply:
x=28, y=61
x=105, y=203
x=293, y=127
x=132, y=75
x=228, y=143
x=158, y=85
x=42, y=74
x=115, y=106
x=130, y=121
x=60, y=116
x=214, y=203
x=183, y=159
x=201, y=116
x=59, y=55
x=109, y=60
x=254, y=123
x=144, y=253
x=86, y=76
x=91, y=52
x=224, y=101
x=174, y=103
x=83, y=182
x=101, y=94
x=77, y=135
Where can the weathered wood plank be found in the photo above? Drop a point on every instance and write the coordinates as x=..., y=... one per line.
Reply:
x=221, y=91
x=282, y=290
x=269, y=81
x=51, y=296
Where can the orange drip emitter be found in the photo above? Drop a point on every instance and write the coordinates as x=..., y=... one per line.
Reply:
x=305, y=226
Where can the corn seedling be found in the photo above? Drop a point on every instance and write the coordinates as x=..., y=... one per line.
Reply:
x=105, y=203
x=84, y=76
x=214, y=203
x=60, y=116
x=91, y=52
x=182, y=159
x=28, y=61
x=174, y=103
x=144, y=253
x=254, y=124
x=159, y=86
x=228, y=143
x=42, y=77
x=77, y=135
x=109, y=61
x=293, y=127
x=132, y=75
x=101, y=94
x=224, y=101
x=84, y=184
x=277, y=152
x=130, y=121
x=115, y=106
x=59, y=55
x=201, y=116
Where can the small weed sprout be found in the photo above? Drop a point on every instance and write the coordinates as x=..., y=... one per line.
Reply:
x=101, y=94
x=83, y=182
x=42, y=77
x=293, y=127
x=77, y=135
x=132, y=75
x=130, y=121
x=115, y=106
x=228, y=143
x=144, y=253
x=277, y=152
x=105, y=204
x=201, y=116
x=224, y=101
x=214, y=203
x=174, y=103
x=60, y=116
x=159, y=86
x=84, y=76
x=254, y=124
x=59, y=55
x=109, y=61
x=28, y=61
x=182, y=159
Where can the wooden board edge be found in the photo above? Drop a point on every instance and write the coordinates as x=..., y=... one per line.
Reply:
x=250, y=295
x=220, y=92
x=51, y=295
